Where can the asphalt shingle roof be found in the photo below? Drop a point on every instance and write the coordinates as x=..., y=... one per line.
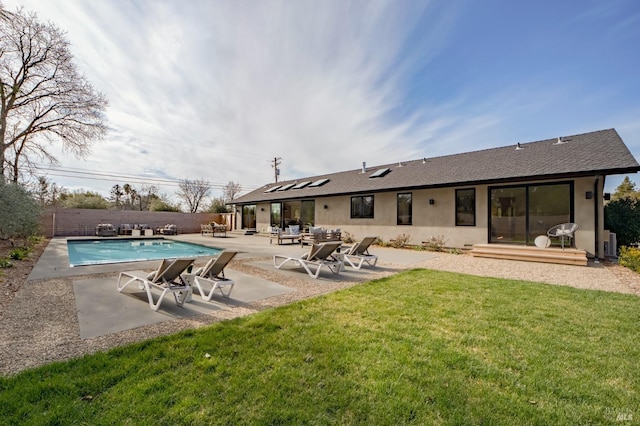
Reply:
x=596, y=153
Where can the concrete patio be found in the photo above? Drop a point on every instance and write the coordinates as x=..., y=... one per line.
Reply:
x=101, y=310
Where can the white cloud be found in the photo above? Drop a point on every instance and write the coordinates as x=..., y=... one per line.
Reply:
x=215, y=90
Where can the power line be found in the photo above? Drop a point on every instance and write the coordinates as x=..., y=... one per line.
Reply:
x=76, y=173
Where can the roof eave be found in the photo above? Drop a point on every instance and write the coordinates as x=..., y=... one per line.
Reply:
x=519, y=179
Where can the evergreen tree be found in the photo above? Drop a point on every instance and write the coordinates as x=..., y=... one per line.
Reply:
x=626, y=189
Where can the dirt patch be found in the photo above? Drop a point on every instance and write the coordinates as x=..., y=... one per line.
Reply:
x=13, y=278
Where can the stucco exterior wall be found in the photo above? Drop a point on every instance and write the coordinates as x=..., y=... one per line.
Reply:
x=589, y=215
x=438, y=219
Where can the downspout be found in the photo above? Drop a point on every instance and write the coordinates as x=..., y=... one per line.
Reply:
x=596, y=197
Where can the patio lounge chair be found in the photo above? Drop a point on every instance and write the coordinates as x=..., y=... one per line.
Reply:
x=165, y=279
x=359, y=253
x=562, y=231
x=319, y=255
x=212, y=274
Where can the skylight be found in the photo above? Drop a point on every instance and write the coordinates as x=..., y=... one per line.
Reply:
x=285, y=187
x=273, y=188
x=380, y=172
x=302, y=184
x=319, y=182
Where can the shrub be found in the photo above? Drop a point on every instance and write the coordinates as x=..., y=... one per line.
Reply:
x=382, y=243
x=623, y=217
x=348, y=238
x=19, y=253
x=630, y=257
x=35, y=239
x=400, y=241
x=5, y=263
x=87, y=200
x=19, y=212
x=436, y=243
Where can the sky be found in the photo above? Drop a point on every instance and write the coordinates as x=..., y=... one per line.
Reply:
x=216, y=90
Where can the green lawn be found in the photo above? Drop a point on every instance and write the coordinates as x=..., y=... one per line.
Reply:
x=421, y=347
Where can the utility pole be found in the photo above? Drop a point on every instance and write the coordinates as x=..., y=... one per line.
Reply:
x=276, y=169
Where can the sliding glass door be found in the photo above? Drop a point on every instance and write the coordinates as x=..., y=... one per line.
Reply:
x=294, y=212
x=520, y=213
x=276, y=214
x=508, y=215
x=249, y=216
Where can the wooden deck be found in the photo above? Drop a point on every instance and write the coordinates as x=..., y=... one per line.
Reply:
x=568, y=256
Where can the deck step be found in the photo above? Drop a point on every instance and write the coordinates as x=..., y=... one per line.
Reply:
x=568, y=256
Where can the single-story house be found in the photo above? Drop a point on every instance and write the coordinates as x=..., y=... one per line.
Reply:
x=501, y=195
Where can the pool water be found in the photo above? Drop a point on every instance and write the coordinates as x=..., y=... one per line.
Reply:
x=100, y=252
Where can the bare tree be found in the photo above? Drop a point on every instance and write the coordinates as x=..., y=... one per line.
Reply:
x=193, y=192
x=116, y=194
x=43, y=98
x=147, y=194
x=231, y=190
x=46, y=192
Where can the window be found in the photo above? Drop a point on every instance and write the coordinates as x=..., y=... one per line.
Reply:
x=308, y=213
x=466, y=207
x=404, y=209
x=362, y=207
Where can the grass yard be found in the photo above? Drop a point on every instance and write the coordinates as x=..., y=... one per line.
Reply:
x=421, y=347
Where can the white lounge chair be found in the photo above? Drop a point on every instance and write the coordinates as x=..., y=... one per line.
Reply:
x=165, y=279
x=358, y=254
x=212, y=275
x=319, y=255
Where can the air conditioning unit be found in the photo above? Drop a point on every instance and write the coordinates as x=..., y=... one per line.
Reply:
x=610, y=245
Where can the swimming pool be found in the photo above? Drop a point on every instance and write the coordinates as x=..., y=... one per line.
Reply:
x=100, y=252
